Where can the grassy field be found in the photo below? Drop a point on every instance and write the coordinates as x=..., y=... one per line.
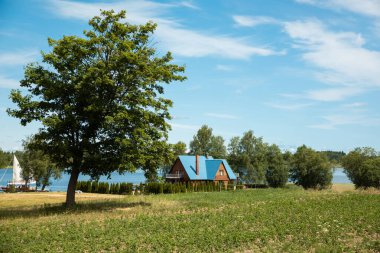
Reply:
x=269, y=220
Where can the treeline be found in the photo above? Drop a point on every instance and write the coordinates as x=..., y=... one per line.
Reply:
x=334, y=156
x=258, y=162
x=261, y=163
x=152, y=187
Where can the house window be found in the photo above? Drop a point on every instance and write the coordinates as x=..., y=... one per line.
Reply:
x=221, y=172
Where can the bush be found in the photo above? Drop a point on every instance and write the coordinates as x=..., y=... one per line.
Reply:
x=311, y=169
x=277, y=172
x=239, y=187
x=362, y=167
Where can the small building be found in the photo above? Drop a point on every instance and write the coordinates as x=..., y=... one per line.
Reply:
x=198, y=168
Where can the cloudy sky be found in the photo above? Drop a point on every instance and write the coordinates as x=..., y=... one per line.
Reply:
x=294, y=71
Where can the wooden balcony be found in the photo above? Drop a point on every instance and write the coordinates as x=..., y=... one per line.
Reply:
x=174, y=176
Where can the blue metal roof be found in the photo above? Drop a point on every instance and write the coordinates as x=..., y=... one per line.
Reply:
x=207, y=167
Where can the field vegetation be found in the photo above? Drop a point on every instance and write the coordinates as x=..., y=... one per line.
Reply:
x=283, y=220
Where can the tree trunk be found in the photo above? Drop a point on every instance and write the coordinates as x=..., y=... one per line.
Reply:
x=70, y=196
x=43, y=187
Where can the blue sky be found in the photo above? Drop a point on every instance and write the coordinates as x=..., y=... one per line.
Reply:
x=294, y=71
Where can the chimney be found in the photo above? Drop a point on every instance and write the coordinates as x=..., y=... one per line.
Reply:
x=197, y=164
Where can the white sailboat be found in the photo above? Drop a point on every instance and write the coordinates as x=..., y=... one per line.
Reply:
x=17, y=179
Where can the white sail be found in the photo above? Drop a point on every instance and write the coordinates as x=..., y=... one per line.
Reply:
x=17, y=178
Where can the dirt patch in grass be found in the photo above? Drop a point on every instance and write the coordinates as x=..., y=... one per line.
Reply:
x=343, y=187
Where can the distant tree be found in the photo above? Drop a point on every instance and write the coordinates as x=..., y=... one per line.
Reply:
x=334, y=157
x=248, y=157
x=205, y=143
x=174, y=151
x=310, y=169
x=178, y=148
x=5, y=159
x=277, y=172
x=362, y=167
x=100, y=99
x=37, y=165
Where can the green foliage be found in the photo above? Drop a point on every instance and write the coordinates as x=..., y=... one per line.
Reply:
x=248, y=157
x=334, y=157
x=310, y=169
x=362, y=167
x=99, y=99
x=11, y=188
x=36, y=164
x=277, y=172
x=5, y=159
x=205, y=143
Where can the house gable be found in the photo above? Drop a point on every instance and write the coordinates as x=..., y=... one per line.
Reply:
x=221, y=174
x=178, y=168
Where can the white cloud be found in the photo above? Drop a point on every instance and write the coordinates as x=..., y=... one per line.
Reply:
x=222, y=67
x=176, y=126
x=289, y=107
x=17, y=58
x=333, y=121
x=189, y=4
x=363, y=7
x=170, y=33
x=340, y=57
x=220, y=115
x=9, y=83
x=251, y=21
x=333, y=94
x=355, y=105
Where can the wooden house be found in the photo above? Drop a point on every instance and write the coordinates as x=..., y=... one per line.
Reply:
x=200, y=169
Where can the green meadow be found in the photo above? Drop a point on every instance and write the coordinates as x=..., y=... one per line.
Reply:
x=255, y=220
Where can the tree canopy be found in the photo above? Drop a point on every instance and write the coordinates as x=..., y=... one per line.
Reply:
x=100, y=99
x=277, y=172
x=5, y=159
x=248, y=156
x=310, y=169
x=362, y=167
x=205, y=143
x=37, y=165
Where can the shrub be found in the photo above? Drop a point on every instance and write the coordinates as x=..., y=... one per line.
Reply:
x=89, y=186
x=94, y=187
x=277, y=172
x=362, y=167
x=310, y=169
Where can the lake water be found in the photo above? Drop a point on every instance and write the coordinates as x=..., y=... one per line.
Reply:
x=136, y=178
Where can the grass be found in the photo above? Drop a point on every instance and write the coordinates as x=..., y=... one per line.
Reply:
x=282, y=220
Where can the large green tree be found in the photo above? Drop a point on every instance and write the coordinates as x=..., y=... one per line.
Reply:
x=100, y=99
x=205, y=143
x=311, y=169
x=248, y=157
x=362, y=167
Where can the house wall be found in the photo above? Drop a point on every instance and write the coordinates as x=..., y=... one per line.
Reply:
x=223, y=177
x=178, y=167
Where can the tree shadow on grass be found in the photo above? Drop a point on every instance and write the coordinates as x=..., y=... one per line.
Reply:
x=53, y=209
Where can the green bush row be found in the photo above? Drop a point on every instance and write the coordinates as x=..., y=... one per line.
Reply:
x=152, y=187
x=105, y=187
